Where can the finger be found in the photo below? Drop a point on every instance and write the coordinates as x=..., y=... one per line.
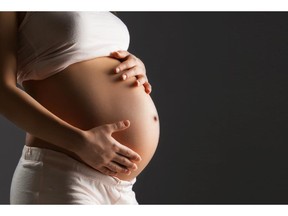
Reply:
x=134, y=71
x=141, y=80
x=123, y=161
x=114, y=167
x=120, y=54
x=118, y=126
x=107, y=171
x=128, y=153
x=148, y=88
x=125, y=65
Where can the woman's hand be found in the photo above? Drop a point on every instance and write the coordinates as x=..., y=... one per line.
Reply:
x=105, y=154
x=132, y=66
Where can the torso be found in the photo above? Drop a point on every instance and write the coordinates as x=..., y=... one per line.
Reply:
x=88, y=94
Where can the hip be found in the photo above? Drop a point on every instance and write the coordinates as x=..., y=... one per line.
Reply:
x=44, y=176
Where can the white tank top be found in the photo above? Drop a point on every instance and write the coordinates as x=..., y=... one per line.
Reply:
x=48, y=42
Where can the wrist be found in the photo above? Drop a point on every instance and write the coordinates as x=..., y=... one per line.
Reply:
x=77, y=140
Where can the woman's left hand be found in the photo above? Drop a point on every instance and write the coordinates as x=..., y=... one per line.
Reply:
x=131, y=66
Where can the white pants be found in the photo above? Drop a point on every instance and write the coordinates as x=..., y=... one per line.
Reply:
x=45, y=176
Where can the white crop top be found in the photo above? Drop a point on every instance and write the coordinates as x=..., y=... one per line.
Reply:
x=48, y=42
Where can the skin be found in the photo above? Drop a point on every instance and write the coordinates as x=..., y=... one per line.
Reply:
x=97, y=96
x=38, y=121
x=132, y=66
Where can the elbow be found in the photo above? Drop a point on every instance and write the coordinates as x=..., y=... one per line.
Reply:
x=6, y=85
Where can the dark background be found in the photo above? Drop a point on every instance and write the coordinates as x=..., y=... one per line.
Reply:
x=220, y=86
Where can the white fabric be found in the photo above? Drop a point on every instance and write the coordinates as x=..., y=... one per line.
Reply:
x=48, y=42
x=44, y=176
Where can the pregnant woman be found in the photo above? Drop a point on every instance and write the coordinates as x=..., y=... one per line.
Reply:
x=91, y=124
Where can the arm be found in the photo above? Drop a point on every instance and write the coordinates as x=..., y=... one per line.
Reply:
x=25, y=112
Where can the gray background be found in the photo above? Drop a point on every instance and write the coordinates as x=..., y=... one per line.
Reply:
x=220, y=86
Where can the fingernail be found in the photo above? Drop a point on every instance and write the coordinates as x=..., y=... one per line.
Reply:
x=150, y=90
x=117, y=70
x=134, y=167
x=126, y=123
x=124, y=77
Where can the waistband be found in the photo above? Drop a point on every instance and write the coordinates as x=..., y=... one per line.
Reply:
x=55, y=157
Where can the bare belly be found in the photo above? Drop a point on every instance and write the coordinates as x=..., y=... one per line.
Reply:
x=90, y=94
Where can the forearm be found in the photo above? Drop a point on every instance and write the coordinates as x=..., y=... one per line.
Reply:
x=29, y=115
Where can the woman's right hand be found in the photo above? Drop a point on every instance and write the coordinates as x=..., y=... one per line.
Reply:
x=105, y=154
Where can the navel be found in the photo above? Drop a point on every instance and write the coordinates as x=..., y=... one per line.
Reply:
x=155, y=118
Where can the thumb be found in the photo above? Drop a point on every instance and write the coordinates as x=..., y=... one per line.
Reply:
x=119, y=126
x=116, y=54
x=120, y=54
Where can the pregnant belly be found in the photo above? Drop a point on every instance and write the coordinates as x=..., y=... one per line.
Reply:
x=90, y=94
